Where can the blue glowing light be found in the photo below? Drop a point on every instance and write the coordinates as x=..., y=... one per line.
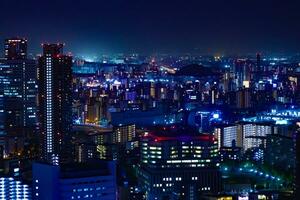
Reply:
x=216, y=115
x=281, y=122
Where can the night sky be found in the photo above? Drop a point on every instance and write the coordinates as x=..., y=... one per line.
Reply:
x=155, y=26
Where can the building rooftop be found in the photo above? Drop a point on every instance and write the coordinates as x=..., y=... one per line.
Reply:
x=93, y=168
x=177, y=132
x=80, y=170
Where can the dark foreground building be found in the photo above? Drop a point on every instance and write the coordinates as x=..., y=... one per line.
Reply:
x=179, y=165
x=95, y=180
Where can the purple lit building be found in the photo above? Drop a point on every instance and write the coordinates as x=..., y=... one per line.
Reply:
x=176, y=164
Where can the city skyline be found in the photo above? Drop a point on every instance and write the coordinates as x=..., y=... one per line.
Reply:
x=149, y=100
x=179, y=127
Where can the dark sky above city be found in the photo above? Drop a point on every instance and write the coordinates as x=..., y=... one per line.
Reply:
x=150, y=26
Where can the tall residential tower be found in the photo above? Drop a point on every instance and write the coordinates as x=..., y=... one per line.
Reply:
x=55, y=101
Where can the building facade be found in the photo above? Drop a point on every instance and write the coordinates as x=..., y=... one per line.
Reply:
x=10, y=188
x=179, y=167
x=95, y=180
x=55, y=101
x=18, y=89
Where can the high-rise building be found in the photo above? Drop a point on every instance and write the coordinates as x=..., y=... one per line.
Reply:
x=226, y=134
x=18, y=93
x=93, y=111
x=254, y=134
x=243, y=98
x=15, y=49
x=242, y=71
x=55, y=101
x=18, y=88
x=124, y=133
x=92, y=180
x=178, y=166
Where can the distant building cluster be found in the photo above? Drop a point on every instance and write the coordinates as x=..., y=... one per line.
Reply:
x=148, y=127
